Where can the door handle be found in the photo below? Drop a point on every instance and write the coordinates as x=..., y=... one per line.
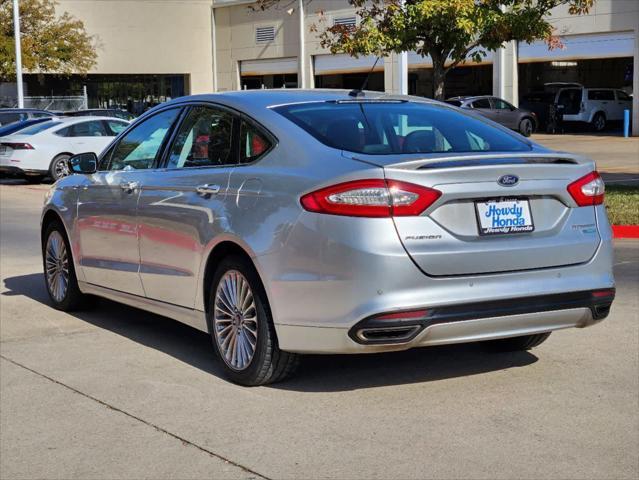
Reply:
x=129, y=187
x=207, y=190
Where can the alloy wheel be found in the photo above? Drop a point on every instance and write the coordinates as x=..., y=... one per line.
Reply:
x=57, y=266
x=60, y=169
x=235, y=318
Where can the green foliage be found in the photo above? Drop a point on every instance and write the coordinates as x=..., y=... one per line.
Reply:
x=450, y=31
x=50, y=42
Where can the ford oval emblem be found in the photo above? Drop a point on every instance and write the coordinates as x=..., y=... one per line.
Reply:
x=508, y=180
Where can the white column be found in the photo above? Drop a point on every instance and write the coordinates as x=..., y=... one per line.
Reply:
x=402, y=73
x=505, y=73
x=16, y=29
x=213, y=50
x=635, y=88
x=301, y=70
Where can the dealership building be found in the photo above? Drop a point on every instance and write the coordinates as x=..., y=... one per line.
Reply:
x=153, y=50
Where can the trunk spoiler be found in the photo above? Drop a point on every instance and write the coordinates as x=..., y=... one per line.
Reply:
x=435, y=161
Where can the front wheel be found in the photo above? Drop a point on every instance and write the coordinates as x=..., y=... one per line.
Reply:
x=59, y=273
x=242, y=328
x=526, y=127
x=515, y=344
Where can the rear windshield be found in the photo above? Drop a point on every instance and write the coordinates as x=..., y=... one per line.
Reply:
x=383, y=128
x=40, y=127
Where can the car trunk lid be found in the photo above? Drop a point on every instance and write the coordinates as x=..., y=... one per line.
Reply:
x=450, y=238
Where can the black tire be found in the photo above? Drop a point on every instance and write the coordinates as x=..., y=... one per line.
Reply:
x=599, y=122
x=515, y=344
x=268, y=363
x=55, y=170
x=73, y=298
x=526, y=127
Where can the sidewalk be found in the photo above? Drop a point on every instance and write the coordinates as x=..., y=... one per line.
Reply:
x=617, y=157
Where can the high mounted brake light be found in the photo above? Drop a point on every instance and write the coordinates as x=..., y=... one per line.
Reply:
x=371, y=198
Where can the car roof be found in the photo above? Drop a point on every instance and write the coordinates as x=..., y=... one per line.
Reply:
x=78, y=119
x=275, y=97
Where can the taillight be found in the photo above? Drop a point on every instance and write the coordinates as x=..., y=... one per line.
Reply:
x=17, y=146
x=588, y=190
x=371, y=198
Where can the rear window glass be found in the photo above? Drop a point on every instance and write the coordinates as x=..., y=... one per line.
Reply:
x=40, y=127
x=601, y=95
x=384, y=128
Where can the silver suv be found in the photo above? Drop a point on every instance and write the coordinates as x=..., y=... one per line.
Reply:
x=594, y=106
x=289, y=222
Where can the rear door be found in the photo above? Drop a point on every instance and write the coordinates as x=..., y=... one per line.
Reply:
x=89, y=136
x=483, y=106
x=183, y=205
x=604, y=101
x=506, y=113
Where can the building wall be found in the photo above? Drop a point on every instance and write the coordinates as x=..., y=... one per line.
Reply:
x=150, y=36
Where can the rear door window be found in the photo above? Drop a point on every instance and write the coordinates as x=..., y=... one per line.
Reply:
x=205, y=139
x=601, y=95
x=94, y=128
x=481, y=103
x=385, y=128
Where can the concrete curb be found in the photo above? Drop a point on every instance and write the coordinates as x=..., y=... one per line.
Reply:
x=625, y=231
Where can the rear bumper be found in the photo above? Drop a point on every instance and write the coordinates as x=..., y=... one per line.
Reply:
x=340, y=340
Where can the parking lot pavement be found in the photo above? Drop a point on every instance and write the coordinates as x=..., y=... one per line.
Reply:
x=616, y=157
x=115, y=392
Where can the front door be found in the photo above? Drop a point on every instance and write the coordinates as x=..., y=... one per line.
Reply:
x=506, y=113
x=107, y=206
x=183, y=206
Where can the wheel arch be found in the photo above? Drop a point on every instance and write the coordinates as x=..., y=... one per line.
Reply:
x=221, y=250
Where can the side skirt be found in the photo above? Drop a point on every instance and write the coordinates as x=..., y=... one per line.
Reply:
x=193, y=318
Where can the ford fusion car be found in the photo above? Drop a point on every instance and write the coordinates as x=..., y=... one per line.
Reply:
x=292, y=222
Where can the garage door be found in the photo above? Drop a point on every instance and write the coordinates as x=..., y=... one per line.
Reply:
x=594, y=45
x=417, y=61
x=268, y=66
x=342, y=63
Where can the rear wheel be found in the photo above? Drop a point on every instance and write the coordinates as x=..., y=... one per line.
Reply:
x=514, y=344
x=242, y=328
x=59, y=167
x=599, y=122
x=59, y=273
x=526, y=127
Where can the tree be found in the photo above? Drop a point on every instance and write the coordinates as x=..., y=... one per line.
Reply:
x=449, y=31
x=50, y=42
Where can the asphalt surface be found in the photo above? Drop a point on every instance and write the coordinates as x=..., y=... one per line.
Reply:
x=114, y=392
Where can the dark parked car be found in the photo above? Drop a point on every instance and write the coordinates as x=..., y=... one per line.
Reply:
x=500, y=111
x=101, y=112
x=12, y=115
x=16, y=126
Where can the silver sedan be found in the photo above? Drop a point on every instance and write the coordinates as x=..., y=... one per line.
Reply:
x=290, y=222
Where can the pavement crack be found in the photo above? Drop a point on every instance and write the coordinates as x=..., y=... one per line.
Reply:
x=138, y=419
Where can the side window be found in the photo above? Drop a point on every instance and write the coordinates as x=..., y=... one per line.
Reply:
x=203, y=140
x=63, y=132
x=601, y=95
x=40, y=115
x=139, y=148
x=481, y=103
x=501, y=105
x=115, y=127
x=88, y=129
x=252, y=143
x=623, y=96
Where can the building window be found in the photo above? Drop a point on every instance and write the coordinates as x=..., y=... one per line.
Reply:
x=345, y=21
x=264, y=34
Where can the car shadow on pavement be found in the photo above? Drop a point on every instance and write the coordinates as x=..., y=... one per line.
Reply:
x=318, y=373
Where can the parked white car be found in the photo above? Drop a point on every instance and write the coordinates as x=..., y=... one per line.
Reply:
x=43, y=149
x=595, y=106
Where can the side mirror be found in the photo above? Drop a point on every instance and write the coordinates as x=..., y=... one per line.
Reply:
x=85, y=163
